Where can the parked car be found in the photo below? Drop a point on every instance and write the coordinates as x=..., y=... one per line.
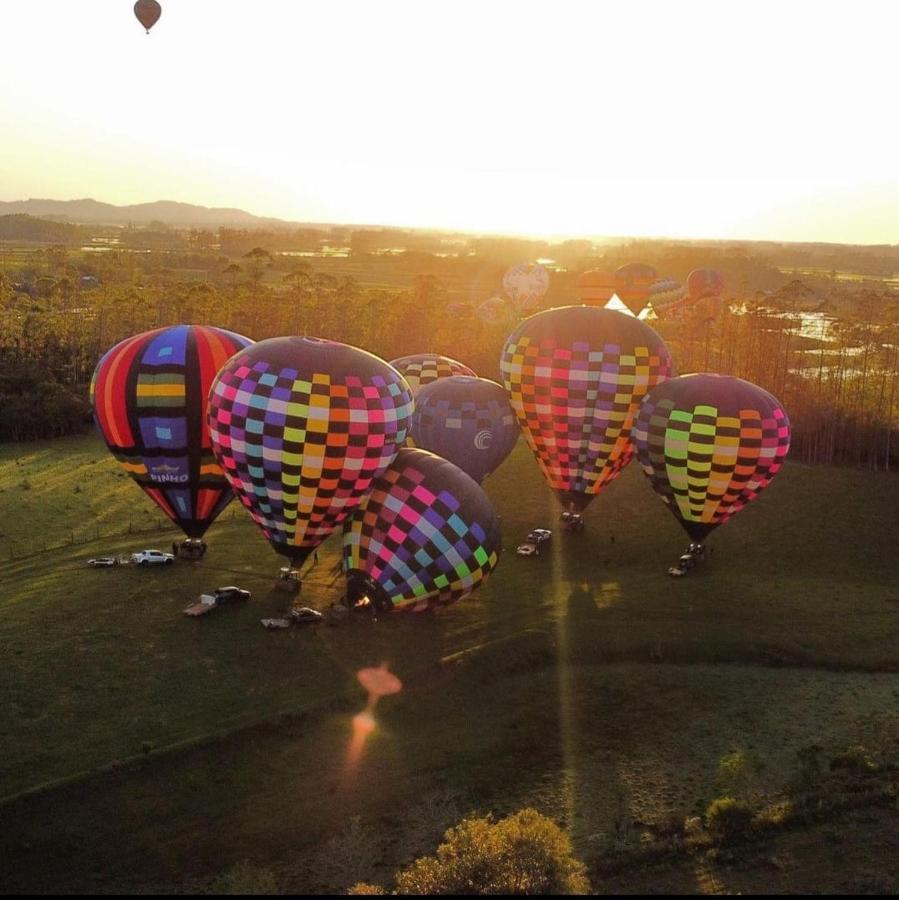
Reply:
x=527, y=549
x=303, y=615
x=229, y=594
x=573, y=522
x=103, y=562
x=540, y=536
x=152, y=558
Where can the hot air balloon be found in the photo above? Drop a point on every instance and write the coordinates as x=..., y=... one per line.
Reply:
x=149, y=398
x=301, y=427
x=633, y=282
x=705, y=283
x=525, y=285
x=423, y=368
x=575, y=377
x=595, y=287
x=467, y=421
x=147, y=12
x=709, y=445
x=496, y=311
x=425, y=536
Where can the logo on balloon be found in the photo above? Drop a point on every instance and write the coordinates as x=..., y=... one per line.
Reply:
x=483, y=439
x=167, y=473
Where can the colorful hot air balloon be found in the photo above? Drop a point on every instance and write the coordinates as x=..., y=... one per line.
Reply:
x=149, y=396
x=595, y=287
x=425, y=536
x=525, y=285
x=709, y=445
x=467, y=421
x=496, y=311
x=301, y=427
x=423, y=368
x=633, y=282
x=705, y=283
x=575, y=377
x=147, y=12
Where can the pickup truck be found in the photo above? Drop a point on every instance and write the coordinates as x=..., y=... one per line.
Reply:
x=152, y=558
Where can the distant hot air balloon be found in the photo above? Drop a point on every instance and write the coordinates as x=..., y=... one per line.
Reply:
x=525, y=284
x=709, y=445
x=633, y=282
x=667, y=298
x=425, y=536
x=147, y=12
x=575, y=377
x=149, y=397
x=705, y=283
x=301, y=427
x=496, y=311
x=423, y=368
x=467, y=421
x=596, y=287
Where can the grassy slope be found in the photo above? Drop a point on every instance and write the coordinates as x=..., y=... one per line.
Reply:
x=576, y=681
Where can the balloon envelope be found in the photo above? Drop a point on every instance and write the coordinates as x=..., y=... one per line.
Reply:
x=420, y=369
x=301, y=427
x=596, y=287
x=149, y=397
x=709, y=445
x=467, y=421
x=426, y=535
x=704, y=283
x=633, y=283
x=525, y=285
x=575, y=377
x=147, y=12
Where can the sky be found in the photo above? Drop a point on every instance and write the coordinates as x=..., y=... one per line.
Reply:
x=761, y=120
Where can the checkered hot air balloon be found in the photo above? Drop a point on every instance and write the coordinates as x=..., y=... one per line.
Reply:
x=575, y=377
x=709, y=445
x=149, y=398
x=467, y=421
x=420, y=369
x=427, y=535
x=301, y=428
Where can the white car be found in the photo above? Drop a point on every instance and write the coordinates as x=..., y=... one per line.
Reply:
x=152, y=558
x=528, y=550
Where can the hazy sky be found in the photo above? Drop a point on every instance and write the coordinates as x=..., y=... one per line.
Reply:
x=706, y=119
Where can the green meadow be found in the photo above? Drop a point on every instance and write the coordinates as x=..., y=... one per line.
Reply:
x=142, y=750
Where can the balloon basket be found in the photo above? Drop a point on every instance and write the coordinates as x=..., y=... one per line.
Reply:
x=288, y=581
x=690, y=559
x=190, y=549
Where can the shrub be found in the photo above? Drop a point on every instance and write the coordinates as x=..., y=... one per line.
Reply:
x=244, y=878
x=728, y=819
x=366, y=890
x=525, y=853
x=855, y=759
x=739, y=775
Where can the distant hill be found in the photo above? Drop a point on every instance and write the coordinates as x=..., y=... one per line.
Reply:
x=174, y=214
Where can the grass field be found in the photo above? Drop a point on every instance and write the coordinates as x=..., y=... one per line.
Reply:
x=583, y=682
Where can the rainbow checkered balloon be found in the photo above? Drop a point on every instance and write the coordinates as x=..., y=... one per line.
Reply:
x=427, y=535
x=301, y=428
x=709, y=445
x=149, y=398
x=575, y=377
x=420, y=369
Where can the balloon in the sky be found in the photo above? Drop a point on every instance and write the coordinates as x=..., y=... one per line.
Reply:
x=423, y=368
x=705, y=283
x=596, y=287
x=575, y=377
x=496, y=311
x=301, y=427
x=467, y=421
x=147, y=12
x=525, y=285
x=633, y=282
x=149, y=396
x=426, y=535
x=709, y=445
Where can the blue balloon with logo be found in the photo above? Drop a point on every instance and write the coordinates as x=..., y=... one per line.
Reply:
x=467, y=421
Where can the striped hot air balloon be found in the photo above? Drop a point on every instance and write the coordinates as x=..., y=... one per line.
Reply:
x=149, y=396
